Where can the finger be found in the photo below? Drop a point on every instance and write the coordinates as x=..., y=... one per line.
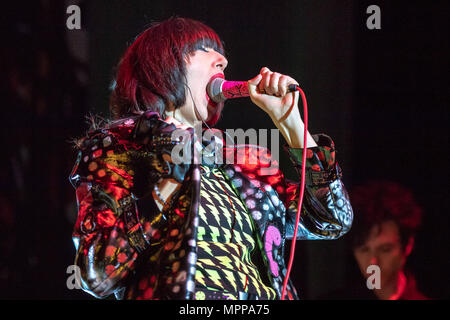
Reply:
x=288, y=82
x=264, y=70
x=265, y=82
x=253, y=83
x=274, y=87
x=283, y=83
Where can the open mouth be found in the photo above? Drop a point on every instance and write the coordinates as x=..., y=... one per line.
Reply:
x=212, y=103
x=214, y=108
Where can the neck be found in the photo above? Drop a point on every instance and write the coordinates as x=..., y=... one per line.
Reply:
x=179, y=123
x=179, y=116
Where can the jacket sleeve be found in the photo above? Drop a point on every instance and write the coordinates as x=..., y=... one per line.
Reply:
x=326, y=211
x=116, y=167
x=104, y=253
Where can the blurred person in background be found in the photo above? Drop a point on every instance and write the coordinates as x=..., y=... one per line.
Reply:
x=383, y=235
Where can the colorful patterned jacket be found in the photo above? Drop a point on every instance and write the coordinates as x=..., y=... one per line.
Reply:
x=140, y=253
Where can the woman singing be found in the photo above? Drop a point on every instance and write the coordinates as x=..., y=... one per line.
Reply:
x=152, y=227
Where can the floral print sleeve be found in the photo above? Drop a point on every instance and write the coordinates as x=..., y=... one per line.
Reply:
x=103, y=182
x=116, y=166
x=326, y=211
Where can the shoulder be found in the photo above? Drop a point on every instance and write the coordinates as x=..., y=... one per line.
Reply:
x=107, y=136
x=123, y=152
x=131, y=132
x=105, y=153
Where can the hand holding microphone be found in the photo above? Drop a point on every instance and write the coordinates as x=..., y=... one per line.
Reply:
x=220, y=89
x=268, y=90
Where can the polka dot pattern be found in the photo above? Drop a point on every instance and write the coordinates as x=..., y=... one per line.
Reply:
x=124, y=161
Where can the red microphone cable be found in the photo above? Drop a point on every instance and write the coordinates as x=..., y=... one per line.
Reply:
x=236, y=89
x=302, y=191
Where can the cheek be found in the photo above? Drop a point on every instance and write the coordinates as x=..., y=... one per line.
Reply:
x=391, y=263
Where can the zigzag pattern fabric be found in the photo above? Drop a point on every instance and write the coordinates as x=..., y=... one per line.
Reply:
x=226, y=240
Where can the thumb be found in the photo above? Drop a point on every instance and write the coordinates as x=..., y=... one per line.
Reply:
x=252, y=83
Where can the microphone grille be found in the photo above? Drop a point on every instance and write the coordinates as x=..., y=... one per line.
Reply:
x=214, y=90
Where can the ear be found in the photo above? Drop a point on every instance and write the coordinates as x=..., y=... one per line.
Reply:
x=409, y=246
x=187, y=57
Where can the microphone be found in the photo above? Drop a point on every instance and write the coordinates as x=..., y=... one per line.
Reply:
x=219, y=89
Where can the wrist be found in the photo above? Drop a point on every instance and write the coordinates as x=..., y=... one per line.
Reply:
x=293, y=131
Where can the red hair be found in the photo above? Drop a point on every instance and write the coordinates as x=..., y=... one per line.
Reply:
x=379, y=201
x=152, y=71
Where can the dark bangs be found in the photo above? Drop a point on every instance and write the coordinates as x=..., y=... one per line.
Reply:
x=194, y=35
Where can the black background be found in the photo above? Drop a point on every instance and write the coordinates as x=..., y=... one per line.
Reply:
x=380, y=94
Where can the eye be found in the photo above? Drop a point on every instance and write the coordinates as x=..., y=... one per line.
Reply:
x=363, y=249
x=202, y=48
x=386, y=249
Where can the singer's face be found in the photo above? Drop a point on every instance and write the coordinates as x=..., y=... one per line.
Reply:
x=201, y=65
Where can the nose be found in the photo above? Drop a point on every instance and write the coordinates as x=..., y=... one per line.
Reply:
x=221, y=62
x=373, y=260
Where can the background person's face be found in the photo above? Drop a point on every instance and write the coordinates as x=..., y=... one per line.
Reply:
x=201, y=65
x=383, y=248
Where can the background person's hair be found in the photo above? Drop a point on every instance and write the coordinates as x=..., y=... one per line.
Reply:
x=152, y=72
x=377, y=202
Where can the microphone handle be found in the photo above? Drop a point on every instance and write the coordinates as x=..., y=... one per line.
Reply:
x=237, y=89
x=220, y=90
x=234, y=89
